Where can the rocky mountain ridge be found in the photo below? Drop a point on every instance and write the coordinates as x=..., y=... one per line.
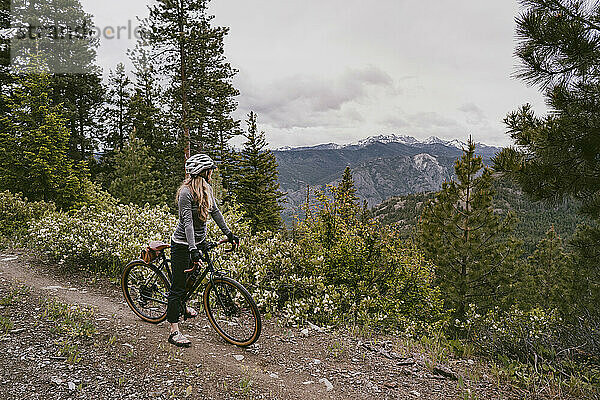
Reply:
x=383, y=166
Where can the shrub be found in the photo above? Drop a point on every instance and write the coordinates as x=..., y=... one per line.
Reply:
x=368, y=275
x=100, y=238
x=16, y=213
x=536, y=346
x=527, y=336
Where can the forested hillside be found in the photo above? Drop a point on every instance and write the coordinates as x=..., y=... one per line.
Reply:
x=534, y=217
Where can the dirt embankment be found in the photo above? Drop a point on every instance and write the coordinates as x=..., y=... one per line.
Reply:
x=123, y=357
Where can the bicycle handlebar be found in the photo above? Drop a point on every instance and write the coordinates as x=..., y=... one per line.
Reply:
x=210, y=247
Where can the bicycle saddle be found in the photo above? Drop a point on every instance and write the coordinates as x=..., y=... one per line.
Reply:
x=157, y=245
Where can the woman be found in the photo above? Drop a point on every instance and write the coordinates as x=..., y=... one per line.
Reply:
x=195, y=201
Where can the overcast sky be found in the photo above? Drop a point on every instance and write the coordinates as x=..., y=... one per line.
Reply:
x=318, y=71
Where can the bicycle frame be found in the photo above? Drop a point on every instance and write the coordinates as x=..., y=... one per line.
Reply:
x=165, y=265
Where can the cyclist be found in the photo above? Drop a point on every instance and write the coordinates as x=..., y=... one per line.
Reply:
x=195, y=201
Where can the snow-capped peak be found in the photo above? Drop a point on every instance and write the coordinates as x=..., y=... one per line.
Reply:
x=284, y=148
x=385, y=139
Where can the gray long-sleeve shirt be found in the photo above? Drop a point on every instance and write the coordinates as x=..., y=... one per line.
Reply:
x=190, y=229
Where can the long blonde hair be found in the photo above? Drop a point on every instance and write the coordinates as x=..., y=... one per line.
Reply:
x=201, y=192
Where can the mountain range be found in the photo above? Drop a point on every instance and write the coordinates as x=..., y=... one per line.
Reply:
x=382, y=166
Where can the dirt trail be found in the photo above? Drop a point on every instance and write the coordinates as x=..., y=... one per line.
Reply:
x=132, y=359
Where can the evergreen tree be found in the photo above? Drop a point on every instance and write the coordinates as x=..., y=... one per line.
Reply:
x=145, y=109
x=547, y=279
x=5, y=76
x=470, y=244
x=556, y=155
x=118, y=97
x=585, y=247
x=135, y=179
x=75, y=79
x=148, y=116
x=258, y=189
x=560, y=52
x=34, y=145
x=345, y=197
x=189, y=52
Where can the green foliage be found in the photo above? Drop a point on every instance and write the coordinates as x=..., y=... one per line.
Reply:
x=135, y=179
x=71, y=320
x=520, y=335
x=547, y=277
x=585, y=290
x=5, y=75
x=16, y=213
x=6, y=324
x=118, y=98
x=34, y=144
x=345, y=196
x=78, y=84
x=189, y=52
x=100, y=237
x=257, y=189
x=534, y=217
x=556, y=156
x=468, y=242
x=536, y=348
x=373, y=278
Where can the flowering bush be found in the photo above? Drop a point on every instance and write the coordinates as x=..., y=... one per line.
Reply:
x=370, y=277
x=536, y=345
x=276, y=273
x=386, y=286
x=16, y=213
x=527, y=336
x=100, y=238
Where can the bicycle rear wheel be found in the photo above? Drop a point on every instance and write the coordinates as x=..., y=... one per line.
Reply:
x=232, y=312
x=146, y=290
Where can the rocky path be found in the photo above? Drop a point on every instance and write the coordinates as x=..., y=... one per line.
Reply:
x=127, y=358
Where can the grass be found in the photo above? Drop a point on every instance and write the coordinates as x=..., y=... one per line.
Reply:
x=70, y=351
x=5, y=324
x=74, y=321
x=246, y=382
x=15, y=295
x=337, y=349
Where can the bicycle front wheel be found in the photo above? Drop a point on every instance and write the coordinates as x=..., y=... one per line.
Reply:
x=146, y=290
x=232, y=312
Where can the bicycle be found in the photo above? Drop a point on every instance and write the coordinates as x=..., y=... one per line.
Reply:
x=228, y=305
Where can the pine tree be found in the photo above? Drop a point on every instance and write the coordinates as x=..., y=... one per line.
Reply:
x=258, y=190
x=148, y=117
x=117, y=104
x=145, y=109
x=556, y=155
x=5, y=76
x=135, y=179
x=345, y=197
x=547, y=279
x=189, y=52
x=34, y=144
x=585, y=246
x=75, y=79
x=470, y=244
x=559, y=51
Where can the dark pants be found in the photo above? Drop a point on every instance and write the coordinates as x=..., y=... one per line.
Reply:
x=180, y=261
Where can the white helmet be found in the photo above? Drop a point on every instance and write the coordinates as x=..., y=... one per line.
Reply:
x=198, y=163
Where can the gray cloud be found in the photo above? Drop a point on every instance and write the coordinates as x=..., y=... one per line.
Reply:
x=309, y=101
x=395, y=122
x=475, y=115
x=439, y=68
x=431, y=120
